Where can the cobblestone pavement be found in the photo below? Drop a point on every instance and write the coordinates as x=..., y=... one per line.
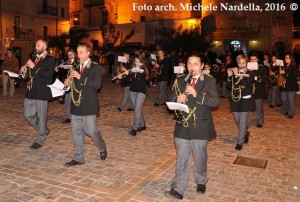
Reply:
x=141, y=168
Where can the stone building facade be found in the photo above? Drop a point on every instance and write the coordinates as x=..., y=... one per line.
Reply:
x=23, y=22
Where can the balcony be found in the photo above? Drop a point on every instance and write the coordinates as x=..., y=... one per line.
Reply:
x=48, y=10
x=92, y=3
x=20, y=34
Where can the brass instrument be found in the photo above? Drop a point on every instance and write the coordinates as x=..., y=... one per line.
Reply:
x=74, y=90
x=280, y=79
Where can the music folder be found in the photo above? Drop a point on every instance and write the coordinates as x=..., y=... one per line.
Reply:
x=11, y=74
x=122, y=59
x=66, y=66
x=178, y=69
x=57, y=88
x=178, y=106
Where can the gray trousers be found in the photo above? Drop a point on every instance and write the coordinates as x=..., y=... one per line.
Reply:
x=126, y=98
x=162, y=95
x=275, y=98
x=137, y=100
x=259, y=104
x=35, y=112
x=243, y=121
x=184, y=150
x=82, y=125
x=68, y=104
x=288, y=101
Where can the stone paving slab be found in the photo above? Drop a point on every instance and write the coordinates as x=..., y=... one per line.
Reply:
x=141, y=168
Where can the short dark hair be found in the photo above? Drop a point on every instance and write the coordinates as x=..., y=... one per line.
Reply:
x=196, y=54
x=44, y=41
x=88, y=47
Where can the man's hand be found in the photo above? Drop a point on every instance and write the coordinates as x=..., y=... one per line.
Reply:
x=23, y=70
x=67, y=82
x=191, y=91
x=30, y=64
x=75, y=74
x=181, y=98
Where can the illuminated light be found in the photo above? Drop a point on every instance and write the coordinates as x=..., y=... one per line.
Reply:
x=191, y=22
x=76, y=19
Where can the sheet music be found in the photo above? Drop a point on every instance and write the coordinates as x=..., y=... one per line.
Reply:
x=11, y=74
x=178, y=106
x=66, y=66
x=279, y=63
x=122, y=59
x=137, y=70
x=252, y=66
x=178, y=69
x=266, y=63
x=57, y=88
x=242, y=75
x=153, y=57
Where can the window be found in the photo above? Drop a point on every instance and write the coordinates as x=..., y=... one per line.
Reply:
x=76, y=18
x=104, y=18
x=45, y=31
x=235, y=46
x=62, y=12
x=17, y=25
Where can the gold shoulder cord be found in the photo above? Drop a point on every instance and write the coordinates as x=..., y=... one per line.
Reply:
x=237, y=91
x=192, y=113
x=30, y=82
x=75, y=90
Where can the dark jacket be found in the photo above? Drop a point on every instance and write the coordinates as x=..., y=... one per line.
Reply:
x=42, y=75
x=201, y=126
x=138, y=81
x=89, y=83
x=163, y=69
x=259, y=85
x=291, y=78
x=237, y=102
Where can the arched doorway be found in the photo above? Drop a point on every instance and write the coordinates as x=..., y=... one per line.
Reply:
x=279, y=47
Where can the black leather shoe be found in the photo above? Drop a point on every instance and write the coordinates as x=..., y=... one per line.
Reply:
x=103, y=155
x=73, y=163
x=156, y=104
x=119, y=109
x=238, y=147
x=271, y=106
x=66, y=121
x=247, y=137
x=130, y=110
x=259, y=126
x=140, y=129
x=201, y=188
x=132, y=132
x=173, y=194
x=290, y=116
x=35, y=146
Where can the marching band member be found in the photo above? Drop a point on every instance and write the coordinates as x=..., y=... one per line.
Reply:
x=241, y=101
x=84, y=81
x=259, y=90
x=138, y=95
x=290, y=87
x=39, y=74
x=191, y=136
x=273, y=74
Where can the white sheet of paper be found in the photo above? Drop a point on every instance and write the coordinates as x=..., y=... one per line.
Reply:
x=266, y=64
x=279, y=63
x=242, y=75
x=57, y=88
x=218, y=61
x=178, y=69
x=66, y=66
x=137, y=70
x=205, y=71
x=122, y=59
x=178, y=106
x=252, y=66
x=11, y=74
x=153, y=57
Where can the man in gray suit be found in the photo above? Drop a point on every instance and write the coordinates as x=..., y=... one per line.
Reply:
x=198, y=91
x=39, y=73
x=84, y=81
